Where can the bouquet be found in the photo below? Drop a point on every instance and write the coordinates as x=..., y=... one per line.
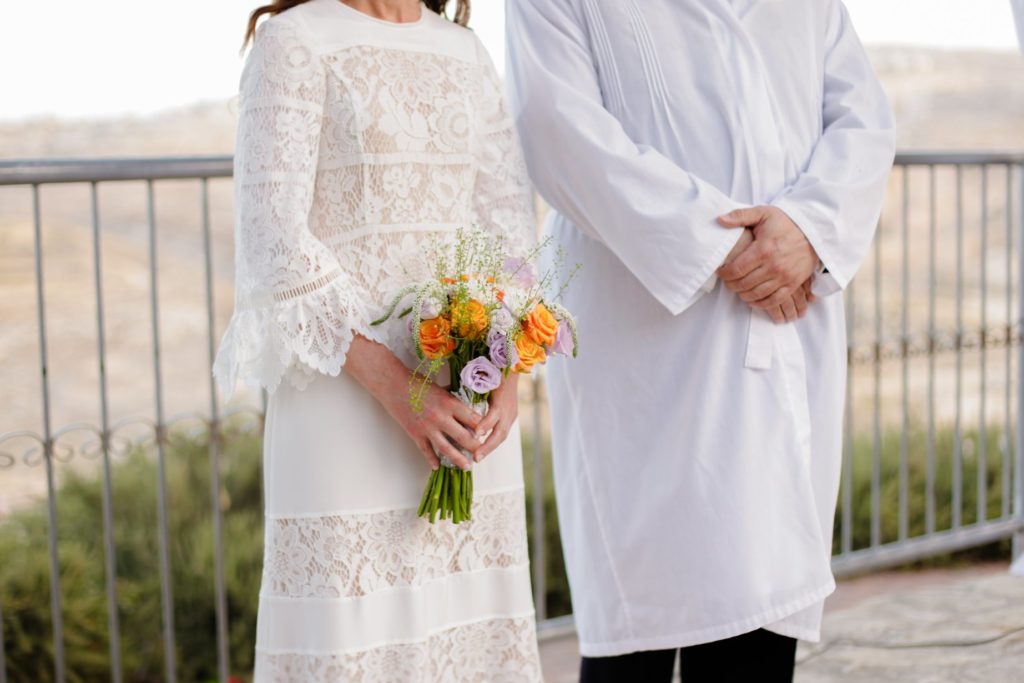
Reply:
x=483, y=314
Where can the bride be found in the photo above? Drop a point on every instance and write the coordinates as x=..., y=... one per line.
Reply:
x=366, y=128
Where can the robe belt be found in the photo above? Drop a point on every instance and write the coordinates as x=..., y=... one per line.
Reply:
x=760, y=340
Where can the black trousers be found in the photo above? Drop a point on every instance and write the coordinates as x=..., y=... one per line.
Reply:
x=756, y=657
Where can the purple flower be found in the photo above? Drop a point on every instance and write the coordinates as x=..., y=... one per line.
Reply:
x=480, y=376
x=521, y=271
x=564, y=343
x=497, y=341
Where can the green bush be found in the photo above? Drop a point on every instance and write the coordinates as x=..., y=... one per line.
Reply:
x=889, y=488
x=24, y=572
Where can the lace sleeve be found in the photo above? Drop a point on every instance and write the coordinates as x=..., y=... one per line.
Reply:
x=502, y=195
x=295, y=309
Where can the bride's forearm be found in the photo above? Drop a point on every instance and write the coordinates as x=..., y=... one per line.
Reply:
x=375, y=367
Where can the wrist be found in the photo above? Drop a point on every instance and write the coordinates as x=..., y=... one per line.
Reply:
x=376, y=368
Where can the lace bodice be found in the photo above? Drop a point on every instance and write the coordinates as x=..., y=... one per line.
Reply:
x=357, y=141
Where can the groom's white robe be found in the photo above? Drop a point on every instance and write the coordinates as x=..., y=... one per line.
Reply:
x=697, y=447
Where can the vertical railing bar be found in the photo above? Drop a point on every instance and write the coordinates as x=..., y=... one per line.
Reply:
x=957, y=435
x=846, y=539
x=876, y=458
x=1018, y=464
x=264, y=401
x=929, y=498
x=220, y=591
x=1008, y=404
x=539, y=560
x=109, y=558
x=905, y=363
x=3, y=653
x=51, y=490
x=982, y=483
x=167, y=600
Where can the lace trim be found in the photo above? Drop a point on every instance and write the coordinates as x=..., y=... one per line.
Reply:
x=492, y=651
x=296, y=337
x=336, y=556
x=307, y=288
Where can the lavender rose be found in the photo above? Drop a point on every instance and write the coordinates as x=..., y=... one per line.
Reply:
x=480, y=376
x=498, y=344
x=564, y=344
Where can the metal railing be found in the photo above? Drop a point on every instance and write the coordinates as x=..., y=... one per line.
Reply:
x=921, y=325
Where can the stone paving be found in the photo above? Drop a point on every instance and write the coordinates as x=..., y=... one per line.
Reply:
x=943, y=626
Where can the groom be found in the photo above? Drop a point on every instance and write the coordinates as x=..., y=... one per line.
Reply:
x=710, y=163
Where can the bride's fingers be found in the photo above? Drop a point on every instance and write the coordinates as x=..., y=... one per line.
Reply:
x=444, y=447
x=462, y=412
x=497, y=437
x=428, y=454
x=463, y=437
x=487, y=424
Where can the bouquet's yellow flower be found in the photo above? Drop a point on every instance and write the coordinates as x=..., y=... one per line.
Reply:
x=541, y=326
x=530, y=353
x=470, y=319
x=435, y=338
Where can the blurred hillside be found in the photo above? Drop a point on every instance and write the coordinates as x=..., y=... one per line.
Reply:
x=942, y=99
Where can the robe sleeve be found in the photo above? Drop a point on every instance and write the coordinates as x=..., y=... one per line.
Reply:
x=296, y=310
x=502, y=195
x=657, y=218
x=837, y=198
x=1018, y=14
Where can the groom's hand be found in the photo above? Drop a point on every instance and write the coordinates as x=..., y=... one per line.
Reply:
x=774, y=272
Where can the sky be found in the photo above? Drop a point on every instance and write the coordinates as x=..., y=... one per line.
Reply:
x=92, y=58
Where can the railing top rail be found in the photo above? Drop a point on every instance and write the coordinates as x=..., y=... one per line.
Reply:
x=86, y=170
x=959, y=158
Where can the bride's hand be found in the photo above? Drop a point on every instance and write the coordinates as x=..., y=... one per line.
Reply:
x=500, y=417
x=443, y=419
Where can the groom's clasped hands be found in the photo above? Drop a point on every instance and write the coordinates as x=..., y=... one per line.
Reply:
x=772, y=265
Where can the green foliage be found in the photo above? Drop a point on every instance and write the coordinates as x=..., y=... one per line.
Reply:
x=24, y=575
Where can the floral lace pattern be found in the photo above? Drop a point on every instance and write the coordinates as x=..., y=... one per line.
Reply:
x=490, y=651
x=351, y=555
x=347, y=161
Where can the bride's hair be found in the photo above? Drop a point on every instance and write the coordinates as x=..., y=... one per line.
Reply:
x=277, y=6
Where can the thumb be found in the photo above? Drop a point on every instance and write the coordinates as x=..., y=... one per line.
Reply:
x=743, y=218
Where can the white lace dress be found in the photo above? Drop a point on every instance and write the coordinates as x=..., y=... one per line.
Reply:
x=358, y=140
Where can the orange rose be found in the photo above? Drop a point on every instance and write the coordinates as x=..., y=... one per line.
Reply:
x=470, y=319
x=435, y=338
x=541, y=326
x=530, y=353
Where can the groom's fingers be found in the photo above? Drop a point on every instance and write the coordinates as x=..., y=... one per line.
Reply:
x=800, y=301
x=789, y=310
x=760, y=292
x=751, y=280
x=743, y=218
x=752, y=258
